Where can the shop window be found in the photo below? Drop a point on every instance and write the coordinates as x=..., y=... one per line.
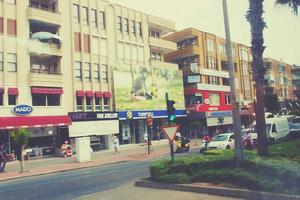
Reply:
x=79, y=103
x=227, y=99
x=102, y=20
x=53, y=99
x=78, y=71
x=11, y=27
x=96, y=73
x=94, y=18
x=119, y=23
x=106, y=103
x=76, y=13
x=11, y=62
x=88, y=103
x=214, y=99
x=85, y=16
x=97, y=103
x=86, y=43
x=133, y=28
x=77, y=42
x=194, y=99
x=126, y=25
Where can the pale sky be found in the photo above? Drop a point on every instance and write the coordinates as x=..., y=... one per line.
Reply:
x=282, y=37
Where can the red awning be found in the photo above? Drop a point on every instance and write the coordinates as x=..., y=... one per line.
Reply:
x=98, y=94
x=1, y=90
x=34, y=121
x=13, y=91
x=89, y=93
x=107, y=94
x=39, y=90
x=79, y=93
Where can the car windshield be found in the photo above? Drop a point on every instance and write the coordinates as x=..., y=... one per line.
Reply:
x=221, y=138
x=253, y=128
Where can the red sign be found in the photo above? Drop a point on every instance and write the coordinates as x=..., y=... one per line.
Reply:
x=170, y=131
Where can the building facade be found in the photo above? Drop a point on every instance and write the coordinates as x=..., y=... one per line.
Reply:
x=202, y=58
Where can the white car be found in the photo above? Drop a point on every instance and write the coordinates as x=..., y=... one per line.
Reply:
x=222, y=141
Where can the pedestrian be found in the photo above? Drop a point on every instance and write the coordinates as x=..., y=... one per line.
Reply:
x=66, y=149
x=147, y=142
x=2, y=158
x=115, y=142
x=206, y=139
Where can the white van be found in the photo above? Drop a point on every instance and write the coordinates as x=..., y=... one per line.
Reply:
x=277, y=129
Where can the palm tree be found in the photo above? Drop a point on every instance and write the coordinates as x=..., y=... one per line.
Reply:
x=257, y=24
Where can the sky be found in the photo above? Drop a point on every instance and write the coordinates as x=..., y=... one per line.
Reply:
x=282, y=37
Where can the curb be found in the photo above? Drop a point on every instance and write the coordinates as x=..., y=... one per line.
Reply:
x=216, y=190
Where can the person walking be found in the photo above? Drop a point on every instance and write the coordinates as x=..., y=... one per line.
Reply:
x=147, y=142
x=2, y=158
x=115, y=142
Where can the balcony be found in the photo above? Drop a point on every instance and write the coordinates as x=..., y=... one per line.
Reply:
x=40, y=48
x=211, y=87
x=164, y=45
x=182, y=53
x=211, y=72
x=159, y=64
x=164, y=25
x=43, y=79
x=43, y=12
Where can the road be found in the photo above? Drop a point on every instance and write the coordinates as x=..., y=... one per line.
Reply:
x=89, y=183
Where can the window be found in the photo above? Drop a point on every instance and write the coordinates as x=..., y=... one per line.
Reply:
x=187, y=42
x=245, y=69
x=1, y=24
x=79, y=103
x=139, y=27
x=104, y=73
x=12, y=99
x=133, y=28
x=97, y=103
x=85, y=16
x=119, y=24
x=210, y=45
x=95, y=45
x=76, y=13
x=226, y=81
x=88, y=103
x=11, y=62
x=214, y=99
x=103, y=47
x=77, y=42
x=246, y=84
x=11, y=1
x=94, y=18
x=96, y=73
x=87, y=72
x=1, y=61
x=78, y=71
x=1, y=98
x=213, y=80
x=126, y=25
x=46, y=99
x=222, y=49
x=244, y=55
x=187, y=61
x=155, y=56
x=212, y=63
x=154, y=33
x=86, y=43
x=106, y=103
x=11, y=27
x=227, y=99
x=102, y=20
x=194, y=99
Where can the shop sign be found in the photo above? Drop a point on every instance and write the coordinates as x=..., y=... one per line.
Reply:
x=193, y=79
x=207, y=101
x=93, y=116
x=219, y=113
x=22, y=110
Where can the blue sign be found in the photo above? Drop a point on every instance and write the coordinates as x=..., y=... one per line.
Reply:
x=22, y=110
x=142, y=114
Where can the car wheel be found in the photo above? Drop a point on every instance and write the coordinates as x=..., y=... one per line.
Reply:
x=228, y=147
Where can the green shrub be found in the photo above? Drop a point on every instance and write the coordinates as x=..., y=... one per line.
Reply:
x=178, y=178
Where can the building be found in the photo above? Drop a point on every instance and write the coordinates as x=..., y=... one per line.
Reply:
x=76, y=65
x=296, y=81
x=278, y=79
x=202, y=58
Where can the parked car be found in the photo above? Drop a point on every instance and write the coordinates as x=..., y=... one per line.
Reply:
x=294, y=128
x=222, y=141
x=277, y=129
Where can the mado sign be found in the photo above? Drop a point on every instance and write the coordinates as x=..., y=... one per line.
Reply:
x=22, y=110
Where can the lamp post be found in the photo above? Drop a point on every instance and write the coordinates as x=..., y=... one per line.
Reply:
x=235, y=105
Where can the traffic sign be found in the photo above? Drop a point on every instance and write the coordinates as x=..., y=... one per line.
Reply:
x=170, y=131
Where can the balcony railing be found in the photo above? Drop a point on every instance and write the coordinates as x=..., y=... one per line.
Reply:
x=43, y=71
x=35, y=4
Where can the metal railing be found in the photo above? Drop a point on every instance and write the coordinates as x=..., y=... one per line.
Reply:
x=37, y=5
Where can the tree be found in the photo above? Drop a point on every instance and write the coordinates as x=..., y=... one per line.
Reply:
x=271, y=103
x=257, y=24
x=21, y=139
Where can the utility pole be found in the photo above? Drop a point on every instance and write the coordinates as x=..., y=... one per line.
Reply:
x=235, y=105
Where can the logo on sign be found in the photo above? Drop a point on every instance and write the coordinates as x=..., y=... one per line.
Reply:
x=207, y=101
x=22, y=110
x=129, y=115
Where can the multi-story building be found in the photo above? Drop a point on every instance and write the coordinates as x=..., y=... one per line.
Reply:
x=202, y=58
x=279, y=81
x=296, y=81
x=75, y=63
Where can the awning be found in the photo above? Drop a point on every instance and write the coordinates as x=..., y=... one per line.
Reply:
x=98, y=94
x=89, y=93
x=79, y=93
x=37, y=90
x=107, y=94
x=34, y=121
x=13, y=91
x=1, y=90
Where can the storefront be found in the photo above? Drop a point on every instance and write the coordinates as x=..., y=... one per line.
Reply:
x=133, y=124
x=99, y=126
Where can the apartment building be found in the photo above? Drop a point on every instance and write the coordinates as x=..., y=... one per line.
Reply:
x=202, y=58
x=81, y=67
x=296, y=81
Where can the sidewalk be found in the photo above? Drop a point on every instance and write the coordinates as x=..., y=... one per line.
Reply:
x=129, y=152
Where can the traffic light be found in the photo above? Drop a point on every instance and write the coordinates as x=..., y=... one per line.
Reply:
x=149, y=121
x=171, y=111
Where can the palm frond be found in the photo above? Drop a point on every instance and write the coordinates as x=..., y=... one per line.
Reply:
x=294, y=4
